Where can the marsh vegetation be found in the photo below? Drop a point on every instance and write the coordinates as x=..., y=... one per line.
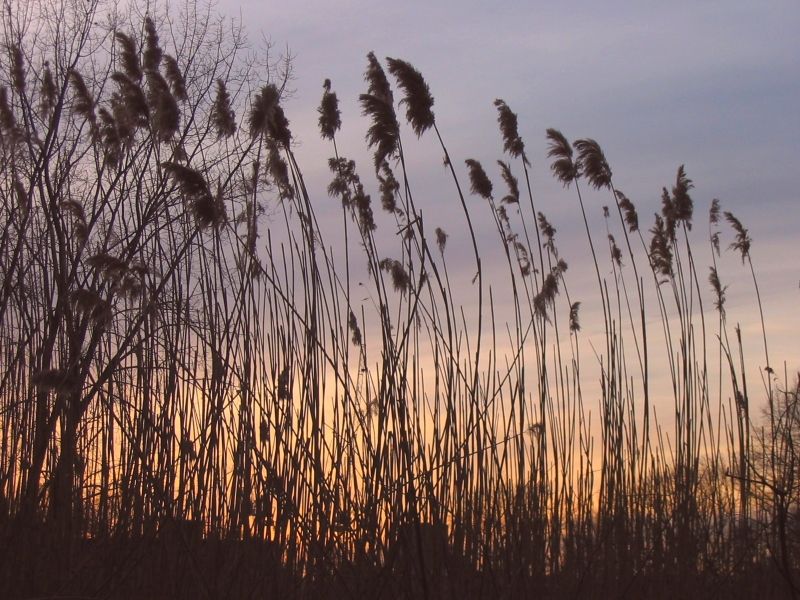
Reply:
x=207, y=391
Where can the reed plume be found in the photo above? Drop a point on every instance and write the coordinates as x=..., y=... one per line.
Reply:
x=616, y=253
x=628, y=210
x=163, y=107
x=173, y=74
x=279, y=171
x=151, y=59
x=48, y=94
x=681, y=200
x=479, y=181
x=592, y=163
x=741, y=242
x=207, y=209
x=83, y=103
x=512, y=142
x=441, y=239
x=713, y=212
x=267, y=116
x=660, y=251
x=130, y=101
x=17, y=69
x=8, y=122
x=129, y=56
x=399, y=276
x=574, y=323
x=511, y=182
x=563, y=167
x=548, y=231
x=330, y=118
x=355, y=330
x=389, y=187
x=418, y=99
x=376, y=78
x=718, y=289
x=223, y=117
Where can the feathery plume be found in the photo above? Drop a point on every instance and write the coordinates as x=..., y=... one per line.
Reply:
x=479, y=181
x=345, y=178
x=669, y=213
x=173, y=74
x=681, y=201
x=383, y=133
x=129, y=56
x=628, y=210
x=90, y=303
x=400, y=278
x=513, y=185
x=548, y=231
x=109, y=267
x=715, y=242
x=8, y=122
x=512, y=142
x=83, y=103
x=574, y=323
x=75, y=209
x=352, y=324
x=441, y=239
x=22, y=197
x=592, y=163
x=713, y=212
x=222, y=115
x=719, y=291
x=742, y=241
x=418, y=99
x=152, y=51
x=267, y=116
x=279, y=171
x=366, y=219
x=129, y=101
x=378, y=104
x=330, y=118
x=376, y=78
x=17, y=69
x=523, y=259
x=563, y=167
x=547, y=294
x=660, y=252
x=616, y=253
x=206, y=209
x=164, y=109
x=48, y=92
x=110, y=137
x=347, y=185
x=389, y=187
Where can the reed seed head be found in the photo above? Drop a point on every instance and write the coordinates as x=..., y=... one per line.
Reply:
x=563, y=167
x=330, y=118
x=479, y=181
x=512, y=142
x=592, y=163
x=223, y=116
x=418, y=99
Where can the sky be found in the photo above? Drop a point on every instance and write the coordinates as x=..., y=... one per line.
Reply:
x=712, y=85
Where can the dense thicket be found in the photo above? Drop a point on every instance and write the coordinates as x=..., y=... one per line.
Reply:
x=197, y=401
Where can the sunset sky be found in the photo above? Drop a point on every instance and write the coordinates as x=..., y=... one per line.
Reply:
x=712, y=85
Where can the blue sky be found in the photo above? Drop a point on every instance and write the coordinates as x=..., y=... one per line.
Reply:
x=714, y=85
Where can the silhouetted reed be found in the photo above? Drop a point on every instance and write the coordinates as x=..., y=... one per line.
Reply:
x=199, y=400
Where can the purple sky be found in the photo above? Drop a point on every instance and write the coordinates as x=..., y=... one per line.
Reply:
x=714, y=85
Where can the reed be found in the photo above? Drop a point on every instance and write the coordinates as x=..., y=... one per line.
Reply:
x=209, y=390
